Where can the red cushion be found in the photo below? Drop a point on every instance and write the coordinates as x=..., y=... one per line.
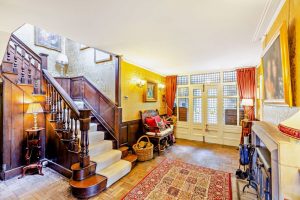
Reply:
x=157, y=118
x=150, y=121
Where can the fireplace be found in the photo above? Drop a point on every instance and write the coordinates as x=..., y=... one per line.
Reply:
x=276, y=163
x=262, y=172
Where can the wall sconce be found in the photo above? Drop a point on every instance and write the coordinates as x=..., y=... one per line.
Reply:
x=161, y=86
x=139, y=82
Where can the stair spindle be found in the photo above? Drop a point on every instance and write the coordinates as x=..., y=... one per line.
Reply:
x=8, y=55
x=64, y=116
x=15, y=65
x=68, y=120
x=36, y=81
x=29, y=70
x=58, y=109
x=54, y=104
x=22, y=78
x=85, y=120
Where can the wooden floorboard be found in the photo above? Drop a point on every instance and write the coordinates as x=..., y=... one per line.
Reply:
x=55, y=186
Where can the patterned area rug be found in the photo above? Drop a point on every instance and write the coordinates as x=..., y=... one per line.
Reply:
x=173, y=179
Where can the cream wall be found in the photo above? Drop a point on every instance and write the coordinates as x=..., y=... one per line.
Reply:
x=81, y=62
x=4, y=38
x=132, y=96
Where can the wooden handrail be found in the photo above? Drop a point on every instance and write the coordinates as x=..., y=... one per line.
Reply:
x=16, y=40
x=62, y=92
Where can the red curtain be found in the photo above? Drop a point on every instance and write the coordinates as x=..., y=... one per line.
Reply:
x=247, y=88
x=171, y=86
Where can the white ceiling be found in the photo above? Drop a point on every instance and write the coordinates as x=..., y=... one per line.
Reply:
x=166, y=36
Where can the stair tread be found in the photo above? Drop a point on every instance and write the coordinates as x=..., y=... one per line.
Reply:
x=100, y=147
x=102, y=142
x=131, y=158
x=96, y=136
x=112, y=168
x=115, y=171
x=76, y=166
x=123, y=148
x=107, y=158
x=88, y=182
x=106, y=155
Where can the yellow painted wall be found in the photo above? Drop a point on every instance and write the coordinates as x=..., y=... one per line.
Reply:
x=290, y=13
x=135, y=101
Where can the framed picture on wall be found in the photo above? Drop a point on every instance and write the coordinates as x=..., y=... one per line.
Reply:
x=276, y=70
x=47, y=39
x=151, y=92
x=101, y=56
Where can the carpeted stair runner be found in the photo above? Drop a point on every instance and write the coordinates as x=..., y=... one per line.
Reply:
x=109, y=162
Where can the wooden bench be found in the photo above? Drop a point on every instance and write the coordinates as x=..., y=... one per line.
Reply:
x=155, y=136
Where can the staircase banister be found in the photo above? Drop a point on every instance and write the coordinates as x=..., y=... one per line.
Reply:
x=94, y=86
x=62, y=92
x=29, y=50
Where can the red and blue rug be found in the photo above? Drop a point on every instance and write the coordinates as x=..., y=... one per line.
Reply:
x=173, y=179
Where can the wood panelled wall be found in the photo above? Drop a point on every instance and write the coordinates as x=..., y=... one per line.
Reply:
x=15, y=121
x=130, y=132
x=78, y=89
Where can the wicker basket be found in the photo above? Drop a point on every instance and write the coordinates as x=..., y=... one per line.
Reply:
x=145, y=153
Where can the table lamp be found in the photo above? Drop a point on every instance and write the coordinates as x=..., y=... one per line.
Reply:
x=35, y=108
x=62, y=60
x=247, y=103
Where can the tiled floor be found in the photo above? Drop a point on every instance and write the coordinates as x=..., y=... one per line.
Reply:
x=56, y=187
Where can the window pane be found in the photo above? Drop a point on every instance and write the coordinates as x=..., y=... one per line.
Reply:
x=197, y=110
x=229, y=76
x=182, y=80
x=212, y=92
x=205, y=78
x=212, y=114
x=198, y=79
x=183, y=92
x=229, y=90
x=230, y=111
x=183, y=104
x=197, y=92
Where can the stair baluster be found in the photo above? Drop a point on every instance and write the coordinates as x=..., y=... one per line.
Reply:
x=58, y=119
x=48, y=97
x=22, y=78
x=64, y=116
x=29, y=70
x=68, y=121
x=54, y=105
x=84, y=119
x=15, y=65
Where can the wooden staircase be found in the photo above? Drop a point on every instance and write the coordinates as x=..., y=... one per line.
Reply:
x=68, y=127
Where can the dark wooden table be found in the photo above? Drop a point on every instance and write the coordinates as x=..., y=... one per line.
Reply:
x=33, y=143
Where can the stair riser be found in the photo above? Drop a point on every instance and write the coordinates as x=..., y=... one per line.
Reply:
x=83, y=173
x=112, y=180
x=95, y=150
x=84, y=193
x=105, y=163
x=115, y=171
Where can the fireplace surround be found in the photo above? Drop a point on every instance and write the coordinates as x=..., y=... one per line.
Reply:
x=282, y=154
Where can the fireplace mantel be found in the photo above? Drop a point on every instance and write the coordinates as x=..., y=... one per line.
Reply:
x=285, y=159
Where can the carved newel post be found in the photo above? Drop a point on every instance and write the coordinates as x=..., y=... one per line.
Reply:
x=84, y=119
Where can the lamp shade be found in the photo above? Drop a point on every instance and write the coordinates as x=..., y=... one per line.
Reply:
x=291, y=126
x=62, y=59
x=247, y=102
x=34, y=108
